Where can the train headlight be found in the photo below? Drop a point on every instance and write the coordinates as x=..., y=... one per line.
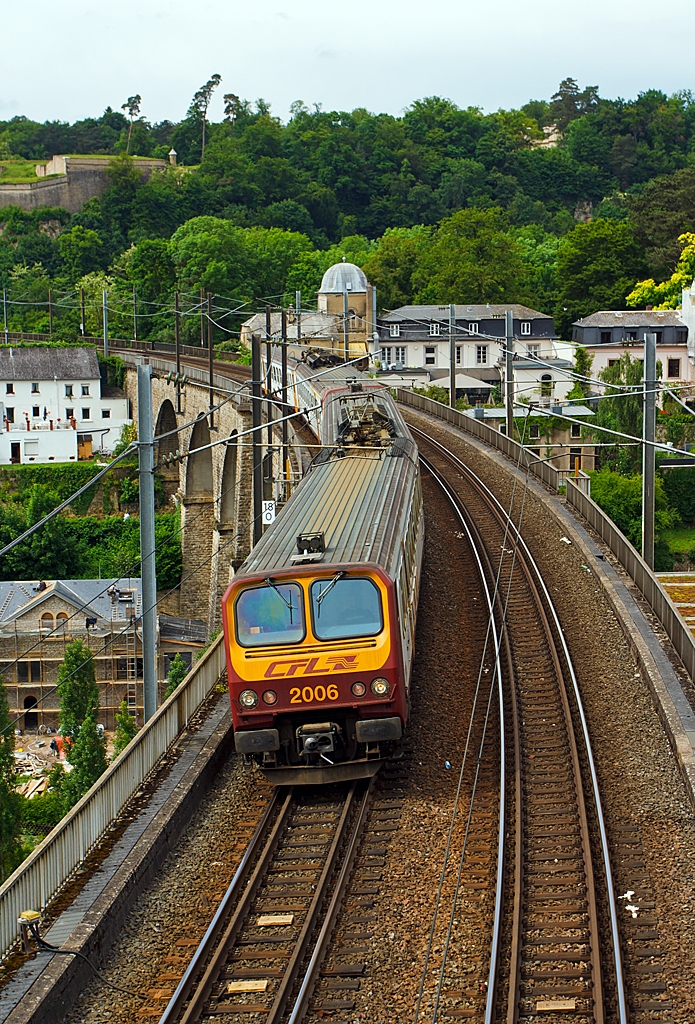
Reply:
x=270, y=697
x=248, y=699
x=359, y=689
x=380, y=687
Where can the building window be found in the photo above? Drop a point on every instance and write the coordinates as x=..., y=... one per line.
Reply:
x=28, y=671
x=46, y=621
x=68, y=390
x=481, y=355
x=85, y=389
x=69, y=413
x=386, y=356
x=576, y=430
x=674, y=367
x=9, y=413
x=632, y=335
x=613, y=362
x=534, y=430
x=534, y=351
x=394, y=330
x=435, y=330
x=546, y=385
x=458, y=355
x=9, y=388
x=681, y=337
x=473, y=327
x=659, y=336
x=575, y=458
x=106, y=414
x=85, y=413
x=399, y=354
x=605, y=337
x=525, y=327
x=35, y=388
x=430, y=355
x=35, y=411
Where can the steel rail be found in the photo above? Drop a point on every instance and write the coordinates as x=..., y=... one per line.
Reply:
x=321, y=945
x=266, y=840
x=503, y=518
x=492, y=599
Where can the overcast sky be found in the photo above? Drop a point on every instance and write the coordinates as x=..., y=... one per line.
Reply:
x=72, y=59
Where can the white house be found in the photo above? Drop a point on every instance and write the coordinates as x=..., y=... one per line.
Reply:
x=54, y=407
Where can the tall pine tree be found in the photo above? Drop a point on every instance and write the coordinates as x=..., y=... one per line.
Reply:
x=77, y=689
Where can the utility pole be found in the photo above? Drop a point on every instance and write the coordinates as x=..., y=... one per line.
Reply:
x=105, y=301
x=256, y=435
x=509, y=371
x=211, y=393
x=298, y=315
x=177, y=340
x=648, y=450
x=452, y=355
x=202, y=318
x=83, y=325
x=375, y=328
x=4, y=307
x=346, y=342
x=285, y=423
x=147, y=544
x=135, y=316
x=50, y=311
x=269, y=386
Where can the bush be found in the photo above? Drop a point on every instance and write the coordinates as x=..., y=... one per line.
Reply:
x=620, y=497
x=42, y=813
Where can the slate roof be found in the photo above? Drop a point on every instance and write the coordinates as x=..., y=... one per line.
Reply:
x=464, y=312
x=632, y=318
x=19, y=598
x=194, y=631
x=48, y=363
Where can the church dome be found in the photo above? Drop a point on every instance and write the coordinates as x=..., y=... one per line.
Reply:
x=341, y=276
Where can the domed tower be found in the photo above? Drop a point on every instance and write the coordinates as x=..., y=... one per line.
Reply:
x=346, y=290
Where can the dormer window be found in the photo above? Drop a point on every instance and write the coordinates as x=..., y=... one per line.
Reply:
x=394, y=330
x=525, y=327
x=435, y=330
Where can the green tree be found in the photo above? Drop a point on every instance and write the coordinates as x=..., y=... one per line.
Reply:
x=77, y=689
x=178, y=669
x=390, y=268
x=620, y=497
x=11, y=848
x=126, y=728
x=597, y=264
x=132, y=105
x=50, y=553
x=667, y=294
x=583, y=361
x=469, y=258
x=82, y=252
x=87, y=755
x=200, y=104
x=620, y=409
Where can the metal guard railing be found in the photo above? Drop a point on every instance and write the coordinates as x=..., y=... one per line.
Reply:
x=661, y=604
x=52, y=863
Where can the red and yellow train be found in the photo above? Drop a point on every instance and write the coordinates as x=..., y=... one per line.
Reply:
x=319, y=621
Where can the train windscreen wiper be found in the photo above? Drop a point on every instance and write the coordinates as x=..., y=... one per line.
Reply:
x=287, y=604
x=319, y=599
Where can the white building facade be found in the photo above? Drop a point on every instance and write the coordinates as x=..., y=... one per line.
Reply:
x=54, y=407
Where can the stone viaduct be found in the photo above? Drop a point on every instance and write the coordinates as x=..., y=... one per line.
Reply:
x=215, y=486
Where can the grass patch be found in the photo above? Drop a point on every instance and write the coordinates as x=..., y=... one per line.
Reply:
x=18, y=172
x=681, y=539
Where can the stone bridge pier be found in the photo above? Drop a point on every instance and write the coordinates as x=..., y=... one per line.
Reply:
x=213, y=486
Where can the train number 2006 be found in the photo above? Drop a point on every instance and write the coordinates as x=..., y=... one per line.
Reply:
x=309, y=693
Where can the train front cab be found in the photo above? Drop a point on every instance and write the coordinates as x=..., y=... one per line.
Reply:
x=315, y=671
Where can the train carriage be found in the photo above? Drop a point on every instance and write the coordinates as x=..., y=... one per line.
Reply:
x=319, y=621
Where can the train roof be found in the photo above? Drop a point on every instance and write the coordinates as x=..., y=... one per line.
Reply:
x=358, y=502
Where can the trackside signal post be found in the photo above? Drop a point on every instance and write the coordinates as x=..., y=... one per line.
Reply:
x=257, y=439
x=147, y=542
x=648, y=450
x=452, y=356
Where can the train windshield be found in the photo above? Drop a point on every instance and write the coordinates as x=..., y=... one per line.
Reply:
x=272, y=614
x=345, y=606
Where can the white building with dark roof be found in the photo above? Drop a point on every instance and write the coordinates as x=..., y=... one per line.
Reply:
x=54, y=407
x=609, y=333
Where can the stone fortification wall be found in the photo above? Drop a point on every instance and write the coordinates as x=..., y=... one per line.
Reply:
x=68, y=182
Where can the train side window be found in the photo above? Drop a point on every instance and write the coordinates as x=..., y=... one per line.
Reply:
x=345, y=608
x=270, y=615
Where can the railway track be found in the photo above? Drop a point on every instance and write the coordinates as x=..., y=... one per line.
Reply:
x=554, y=938
x=262, y=954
